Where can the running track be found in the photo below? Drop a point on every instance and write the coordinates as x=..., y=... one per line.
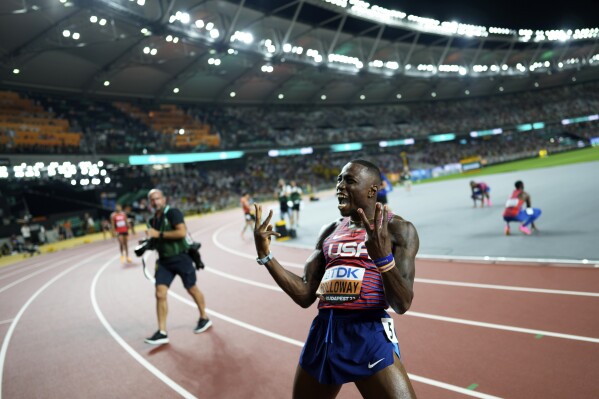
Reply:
x=72, y=324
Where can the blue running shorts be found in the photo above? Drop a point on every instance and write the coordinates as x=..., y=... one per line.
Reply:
x=347, y=345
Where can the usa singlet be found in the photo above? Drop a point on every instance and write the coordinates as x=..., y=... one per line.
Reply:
x=513, y=205
x=351, y=280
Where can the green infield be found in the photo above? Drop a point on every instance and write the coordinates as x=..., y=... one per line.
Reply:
x=565, y=158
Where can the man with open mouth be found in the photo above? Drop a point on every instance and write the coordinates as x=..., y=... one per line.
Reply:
x=363, y=263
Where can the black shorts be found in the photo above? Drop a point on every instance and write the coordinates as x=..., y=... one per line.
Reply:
x=178, y=265
x=382, y=199
x=296, y=206
x=249, y=216
x=124, y=234
x=283, y=207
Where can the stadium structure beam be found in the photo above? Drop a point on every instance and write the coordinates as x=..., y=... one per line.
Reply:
x=508, y=52
x=180, y=76
x=477, y=54
x=337, y=33
x=411, y=50
x=292, y=24
x=445, y=51
x=590, y=53
x=107, y=67
x=274, y=12
x=320, y=25
x=19, y=50
x=535, y=54
x=376, y=44
x=231, y=28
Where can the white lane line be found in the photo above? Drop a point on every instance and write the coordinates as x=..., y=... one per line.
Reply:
x=505, y=259
x=492, y=259
x=34, y=274
x=244, y=280
x=503, y=327
x=418, y=280
x=506, y=287
x=13, y=325
x=6, y=321
x=300, y=344
x=434, y=317
x=22, y=270
x=140, y=359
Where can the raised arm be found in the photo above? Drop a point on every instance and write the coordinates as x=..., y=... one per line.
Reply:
x=301, y=289
x=399, y=238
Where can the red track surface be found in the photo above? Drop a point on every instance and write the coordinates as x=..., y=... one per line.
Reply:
x=56, y=312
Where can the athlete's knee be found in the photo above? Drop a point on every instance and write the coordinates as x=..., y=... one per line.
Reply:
x=161, y=292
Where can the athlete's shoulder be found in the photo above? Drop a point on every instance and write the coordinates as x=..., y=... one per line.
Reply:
x=327, y=230
x=399, y=225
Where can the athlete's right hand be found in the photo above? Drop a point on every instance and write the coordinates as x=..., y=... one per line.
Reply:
x=263, y=232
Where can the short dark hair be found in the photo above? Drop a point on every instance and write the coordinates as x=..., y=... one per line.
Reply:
x=371, y=168
x=519, y=185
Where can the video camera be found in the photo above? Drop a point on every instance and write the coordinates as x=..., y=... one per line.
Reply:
x=144, y=245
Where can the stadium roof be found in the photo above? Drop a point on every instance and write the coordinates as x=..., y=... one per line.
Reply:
x=293, y=51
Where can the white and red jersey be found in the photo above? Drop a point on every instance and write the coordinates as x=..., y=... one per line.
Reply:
x=513, y=204
x=351, y=280
x=119, y=221
x=245, y=205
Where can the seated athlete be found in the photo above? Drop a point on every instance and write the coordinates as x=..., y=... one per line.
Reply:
x=515, y=212
x=362, y=264
x=480, y=191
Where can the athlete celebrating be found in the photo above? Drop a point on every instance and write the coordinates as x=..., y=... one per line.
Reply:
x=362, y=264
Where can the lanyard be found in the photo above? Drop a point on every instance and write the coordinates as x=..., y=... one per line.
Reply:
x=163, y=217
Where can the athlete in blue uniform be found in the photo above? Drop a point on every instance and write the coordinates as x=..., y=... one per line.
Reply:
x=362, y=264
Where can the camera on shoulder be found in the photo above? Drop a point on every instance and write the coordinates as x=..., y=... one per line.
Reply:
x=144, y=245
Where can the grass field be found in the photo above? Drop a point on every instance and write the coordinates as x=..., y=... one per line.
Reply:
x=570, y=157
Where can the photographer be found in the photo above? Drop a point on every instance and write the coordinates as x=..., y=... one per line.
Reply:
x=168, y=232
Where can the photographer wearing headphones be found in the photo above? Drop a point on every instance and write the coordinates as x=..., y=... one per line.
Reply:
x=168, y=232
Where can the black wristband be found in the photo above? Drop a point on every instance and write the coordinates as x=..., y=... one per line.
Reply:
x=161, y=235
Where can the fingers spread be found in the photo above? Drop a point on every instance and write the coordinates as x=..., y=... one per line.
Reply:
x=258, y=214
x=364, y=220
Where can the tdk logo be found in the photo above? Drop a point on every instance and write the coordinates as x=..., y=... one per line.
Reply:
x=347, y=249
x=352, y=273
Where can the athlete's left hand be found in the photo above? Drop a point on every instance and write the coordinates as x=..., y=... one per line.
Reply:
x=378, y=240
x=263, y=232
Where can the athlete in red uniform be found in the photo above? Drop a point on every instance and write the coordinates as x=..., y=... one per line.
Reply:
x=120, y=228
x=247, y=213
x=515, y=212
x=362, y=264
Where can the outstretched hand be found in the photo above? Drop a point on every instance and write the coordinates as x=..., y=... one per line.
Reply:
x=378, y=240
x=263, y=232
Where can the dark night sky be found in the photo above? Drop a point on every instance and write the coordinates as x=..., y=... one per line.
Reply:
x=504, y=13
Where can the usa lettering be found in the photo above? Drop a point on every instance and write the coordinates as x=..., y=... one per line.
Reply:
x=347, y=249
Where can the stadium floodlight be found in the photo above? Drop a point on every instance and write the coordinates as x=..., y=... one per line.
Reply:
x=393, y=143
x=184, y=158
x=346, y=147
x=438, y=138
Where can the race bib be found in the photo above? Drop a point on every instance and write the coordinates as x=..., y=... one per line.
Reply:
x=120, y=223
x=341, y=284
x=389, y=329
x=512, y=202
